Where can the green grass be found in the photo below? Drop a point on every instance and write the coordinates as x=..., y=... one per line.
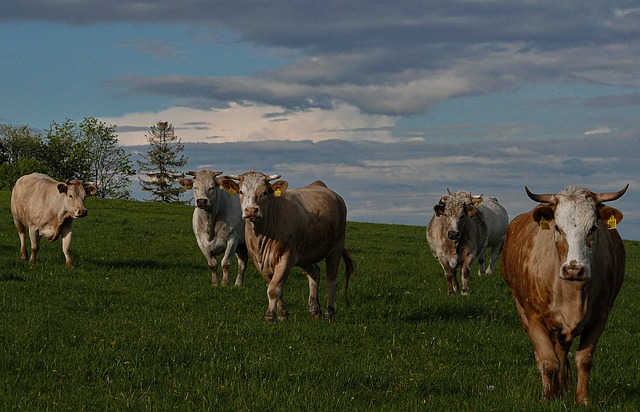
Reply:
x=137, y=326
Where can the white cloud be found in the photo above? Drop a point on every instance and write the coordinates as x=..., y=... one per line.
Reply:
x=245, y=123
x=598, y=130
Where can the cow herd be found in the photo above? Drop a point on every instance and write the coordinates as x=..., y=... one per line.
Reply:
x=563, y=260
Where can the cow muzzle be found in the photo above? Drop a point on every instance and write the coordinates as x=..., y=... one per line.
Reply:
x=252, y=213
x=453, y=234
x=202, y=203
x=574, y=271
x=81, y=213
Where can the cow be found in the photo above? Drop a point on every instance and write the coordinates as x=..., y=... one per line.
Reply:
x=46, y=207
x=564, y=262
x=495, y=218
x=217, y=224
x=456, y=235
x=293, y=227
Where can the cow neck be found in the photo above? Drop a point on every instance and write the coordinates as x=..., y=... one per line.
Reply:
x=262, y=227
x=570, y=304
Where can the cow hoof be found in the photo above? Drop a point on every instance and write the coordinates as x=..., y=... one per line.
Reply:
x=270, y=316
x=465, y=292
x=329, y=314
x=314, y=309
x=283, y=314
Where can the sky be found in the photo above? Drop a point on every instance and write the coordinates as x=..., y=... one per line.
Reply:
x=389, y=103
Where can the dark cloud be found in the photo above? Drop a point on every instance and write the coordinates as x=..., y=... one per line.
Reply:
x=400, y=182
x=394, y=58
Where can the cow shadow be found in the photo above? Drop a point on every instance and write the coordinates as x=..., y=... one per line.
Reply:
x=10, y=277
x=446, y=313
x=140, y=264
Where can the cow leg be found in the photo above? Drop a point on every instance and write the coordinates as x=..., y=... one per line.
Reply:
x=466, y=273
x=332, y=265
x=450, y=276
x=495, y=253
x=546, y=359
x=226, y=261
x=66, y=245
x=213, y=267
x=584, y=360
x=275, y=291
x=23, y=240
x=34, y=237
x=243, y=257
x=313, y=275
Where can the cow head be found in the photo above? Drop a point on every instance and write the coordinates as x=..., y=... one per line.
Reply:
x=576, y=215
x=255, y=191
x=74, y=192
x=454, y=211
x=205, y=187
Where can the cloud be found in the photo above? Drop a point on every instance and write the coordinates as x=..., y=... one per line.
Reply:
x=160, y=50
x=242, y=123
x=399, y=182
x=393, y=60
x=598, y=130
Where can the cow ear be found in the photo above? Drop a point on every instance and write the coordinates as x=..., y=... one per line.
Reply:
x=230, y=186
x=439, y=209
x=186, y=183
x=611, y=215
x=90, y=190
x=477, y=200
x=279, y=187
x=543, y=214
x=471, y=210
x=62, y=188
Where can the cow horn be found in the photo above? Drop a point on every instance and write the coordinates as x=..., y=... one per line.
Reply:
x=216, y=174
x=546, y=198
x=449, y=191
x=232, y=177
x=273, y=177
x=191, y=173
x=608, y=197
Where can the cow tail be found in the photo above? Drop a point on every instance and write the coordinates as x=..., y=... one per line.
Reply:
x=350, y=265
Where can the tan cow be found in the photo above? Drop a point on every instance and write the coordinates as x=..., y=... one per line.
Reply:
x=564, y=261
x=457, y=235
x=294, y=227
x=217, y=224
x=46, y=207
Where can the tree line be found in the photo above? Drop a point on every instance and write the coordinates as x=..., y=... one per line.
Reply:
x=89, y=151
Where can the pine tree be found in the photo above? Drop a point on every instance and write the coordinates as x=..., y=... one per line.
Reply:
x=161, y=164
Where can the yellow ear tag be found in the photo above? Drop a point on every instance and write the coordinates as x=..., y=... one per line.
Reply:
x=612, y=222
x=231, y=191
x=544, y=224
x=277, y=193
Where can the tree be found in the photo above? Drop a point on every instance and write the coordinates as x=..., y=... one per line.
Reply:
x=66, y=154
x=109, y=167
x=161, y=163
x=21, y=153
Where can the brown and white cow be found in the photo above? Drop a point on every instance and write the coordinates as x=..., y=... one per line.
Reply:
x=457, y=235
x=217, y=224
x=294, y=227
x=46, y=207
x=564, y=261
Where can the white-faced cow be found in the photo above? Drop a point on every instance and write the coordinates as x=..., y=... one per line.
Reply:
x=45, y=207
x=217, y=224
x=294, y=227
x=564, y=261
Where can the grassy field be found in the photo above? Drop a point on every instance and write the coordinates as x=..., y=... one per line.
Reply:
x=137, y=326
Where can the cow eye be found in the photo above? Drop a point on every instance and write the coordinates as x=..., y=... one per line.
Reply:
x=559, y=230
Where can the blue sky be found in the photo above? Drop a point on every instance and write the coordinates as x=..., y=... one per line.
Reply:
x=388, y=102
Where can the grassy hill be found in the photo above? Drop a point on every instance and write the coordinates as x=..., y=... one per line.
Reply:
x=137, y=326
